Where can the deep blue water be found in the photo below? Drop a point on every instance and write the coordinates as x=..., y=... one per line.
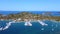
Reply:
x=36, y=28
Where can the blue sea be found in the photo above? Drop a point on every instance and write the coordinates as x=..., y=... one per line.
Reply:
x=36, y=28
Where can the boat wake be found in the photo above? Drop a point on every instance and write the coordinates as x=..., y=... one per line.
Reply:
x=42, y=23
x=27, y=23
x=7, y=25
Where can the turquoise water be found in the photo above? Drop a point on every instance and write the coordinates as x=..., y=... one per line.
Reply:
x=36, y=28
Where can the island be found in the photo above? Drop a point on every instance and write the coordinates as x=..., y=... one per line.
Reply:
x=30, y=16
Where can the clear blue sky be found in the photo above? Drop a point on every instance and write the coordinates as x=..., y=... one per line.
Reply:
x=30, y=5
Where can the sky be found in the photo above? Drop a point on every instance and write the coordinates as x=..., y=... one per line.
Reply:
x=30, y=5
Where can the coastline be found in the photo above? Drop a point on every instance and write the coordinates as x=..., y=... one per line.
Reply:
x=30, y=16
x=32, y=20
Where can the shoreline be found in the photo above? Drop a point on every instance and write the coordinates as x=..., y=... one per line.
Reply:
x=32, y=20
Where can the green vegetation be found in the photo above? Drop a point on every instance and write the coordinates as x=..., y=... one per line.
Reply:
x=29, y=15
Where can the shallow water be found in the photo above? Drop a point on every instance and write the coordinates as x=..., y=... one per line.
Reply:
x=36, y=28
